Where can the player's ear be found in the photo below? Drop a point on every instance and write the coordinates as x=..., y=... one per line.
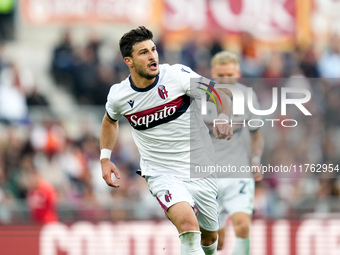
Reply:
x=128, y=61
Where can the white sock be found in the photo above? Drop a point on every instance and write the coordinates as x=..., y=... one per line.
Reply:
x=211, y=249
x=241, y=246
x=191, y=243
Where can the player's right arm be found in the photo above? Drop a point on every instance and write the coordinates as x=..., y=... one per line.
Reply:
x=223, y=105
x=222, y=131
x=108, y=138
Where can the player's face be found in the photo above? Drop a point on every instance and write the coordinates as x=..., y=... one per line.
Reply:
x=225, y=73
x=145, y=59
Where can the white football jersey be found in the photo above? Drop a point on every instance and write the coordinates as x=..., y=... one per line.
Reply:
x=166, y=122
x=235, y=152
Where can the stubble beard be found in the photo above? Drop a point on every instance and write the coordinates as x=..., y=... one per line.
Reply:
x=145, y=74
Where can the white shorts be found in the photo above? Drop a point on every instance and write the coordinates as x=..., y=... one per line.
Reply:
x=235, y=195
x=201, y=194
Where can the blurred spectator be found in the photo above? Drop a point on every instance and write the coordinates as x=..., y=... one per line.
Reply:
x=120, y=68
x=13, y=106
x=85, y=75
x=161, y=48
x=250, y=63
x=332, y=106
x=82, y=70
x=74, y=166
x=63, y=60
x=105, y=81
x=329, y=64
x=216, y=46
x=94, y=44
x=274, y=67
x=41, y=197
x=273, y=70
x=327, y=194
x=196, y=52
x=14, y=147
x=308, y=62
x=188, y=54
x=35, y=98
x=90, y=207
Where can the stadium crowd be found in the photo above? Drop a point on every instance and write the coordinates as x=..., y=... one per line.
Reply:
x=43, y=151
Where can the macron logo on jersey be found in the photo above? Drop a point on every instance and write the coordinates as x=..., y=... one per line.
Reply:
x=160, y=114
x=183, y=70
x=131, y=102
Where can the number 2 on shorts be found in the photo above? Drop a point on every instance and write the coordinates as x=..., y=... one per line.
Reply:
x=243, y=183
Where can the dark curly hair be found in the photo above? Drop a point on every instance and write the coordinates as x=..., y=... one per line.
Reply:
x=132, y=37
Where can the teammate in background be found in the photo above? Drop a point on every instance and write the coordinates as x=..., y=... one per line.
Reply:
x=155, y=100
x=236, y=194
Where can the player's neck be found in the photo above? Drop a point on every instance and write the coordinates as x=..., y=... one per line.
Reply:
x=141, y=82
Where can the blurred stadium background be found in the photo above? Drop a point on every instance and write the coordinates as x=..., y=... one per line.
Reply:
x=58, y=59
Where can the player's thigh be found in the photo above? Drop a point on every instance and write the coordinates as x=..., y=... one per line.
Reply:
x=176, y=201
x=235, y=195
x=241, y=219
x=241, y=222
x=239, y=198
x=183, y=217
x=204, y=192
x=168, y=191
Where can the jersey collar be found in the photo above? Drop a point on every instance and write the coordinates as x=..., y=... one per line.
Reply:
x=143, y=89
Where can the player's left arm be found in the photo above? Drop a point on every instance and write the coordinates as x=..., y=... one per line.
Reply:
x=257, y=144
x=222, y=100
x=222, y=129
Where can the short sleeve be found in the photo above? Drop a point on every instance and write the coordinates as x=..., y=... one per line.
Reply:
x=194, y=85
x=185, y=74
x=111, y=109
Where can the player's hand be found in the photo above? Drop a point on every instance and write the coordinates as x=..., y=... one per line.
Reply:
x=257, y=174
x=222, y=131
x=107, y=169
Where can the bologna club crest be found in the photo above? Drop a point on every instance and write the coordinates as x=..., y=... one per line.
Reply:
x=168, y=196
x=162, y=92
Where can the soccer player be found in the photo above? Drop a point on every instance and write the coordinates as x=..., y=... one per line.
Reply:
x=155, y=99
x=236, y=194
